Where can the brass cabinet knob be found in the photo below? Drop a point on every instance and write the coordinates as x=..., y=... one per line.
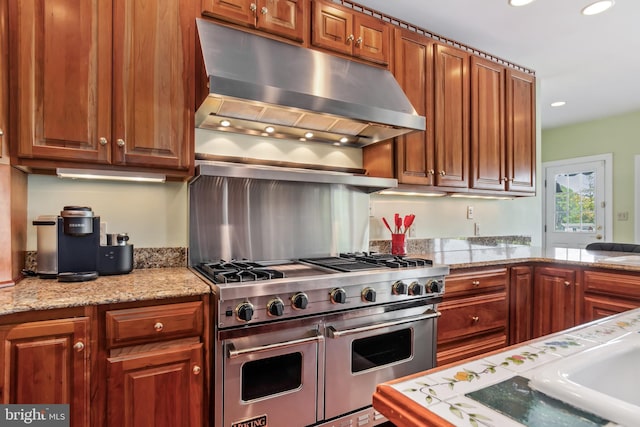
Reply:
x=442, y=173
x=103, y=141
x=264, y=10
x=253, y=7
x=475, y=319
x=431, y=172
x=359, y=41
x=79, y=346
x=196, y=370
x=567, y=283
x=120, y=142
x=350, y=38
x=158, y=326
x=476, y=283
x=1, y=132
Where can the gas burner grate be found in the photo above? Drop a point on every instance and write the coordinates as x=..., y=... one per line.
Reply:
x=239, y=271
x=388, y=260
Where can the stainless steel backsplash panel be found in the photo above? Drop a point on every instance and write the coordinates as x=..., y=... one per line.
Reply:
x=263, y=220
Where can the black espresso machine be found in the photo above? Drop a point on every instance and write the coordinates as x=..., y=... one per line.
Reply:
x=69, y=247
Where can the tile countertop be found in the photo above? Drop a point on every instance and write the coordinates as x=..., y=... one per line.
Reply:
x=144, y=284
x=451, y=395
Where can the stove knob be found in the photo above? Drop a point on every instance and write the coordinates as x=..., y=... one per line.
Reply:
x=435, y=286
x=244, y=311
x=415, y=289
x=299, y=301
x=338, y=296
x=275, y=307
x=399, y=288
x=369, y=295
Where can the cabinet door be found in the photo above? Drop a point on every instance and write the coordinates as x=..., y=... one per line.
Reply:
x=372, y=39
x=282, y=17
x=554, y=300
x=451, y=116
x=521, y=315
x=521, y=132
x=487, y=125
x=4, y=80
x=413, y=69
x=237, y=11
x=47, y=362
x=163, y=388
x=153, y=82
x=60, y=51
x=332, y=28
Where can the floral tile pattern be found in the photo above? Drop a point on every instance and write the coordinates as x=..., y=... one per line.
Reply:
x=564, y=345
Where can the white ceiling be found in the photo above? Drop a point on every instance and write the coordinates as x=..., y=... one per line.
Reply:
x=591, y=62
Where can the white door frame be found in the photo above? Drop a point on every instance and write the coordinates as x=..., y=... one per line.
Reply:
x=636, y=224
x=607, y=158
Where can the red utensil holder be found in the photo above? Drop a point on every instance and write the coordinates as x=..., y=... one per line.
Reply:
x=398, y=244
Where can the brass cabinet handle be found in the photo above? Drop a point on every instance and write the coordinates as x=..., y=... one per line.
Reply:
x=158, y=327
x=196, y=370
x=567, y=283
x=475, y=319
x=79, y=346
x=476, y=283
x=120, y=142
x=442, y=173
x=103, y=141
x=350, y=38
x=253, y=7
x=264, y=10
x=359, y=41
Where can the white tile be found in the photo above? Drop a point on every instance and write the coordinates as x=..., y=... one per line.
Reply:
x=564, y=345
x=420, y=390
x=523, y=359
x=462, y=411
x=467, y=377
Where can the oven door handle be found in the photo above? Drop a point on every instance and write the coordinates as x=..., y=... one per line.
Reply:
x=232, y=353
x=334, y=333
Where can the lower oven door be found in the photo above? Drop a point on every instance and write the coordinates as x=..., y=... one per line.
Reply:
x=365, y=350
x=271, y=378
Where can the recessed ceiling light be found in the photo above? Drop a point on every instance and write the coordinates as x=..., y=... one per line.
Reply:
x=225, y=123
x=558, y=103
x=597, y=7
x=344, y=139
x=269, y=129
x=308, y=135
x=519, y=2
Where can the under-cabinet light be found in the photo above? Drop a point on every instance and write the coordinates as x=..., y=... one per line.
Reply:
x=558, y=103
x=597, y=7
x=410, y=193
x=519, y=2
x=109, y=175
x=478, y=196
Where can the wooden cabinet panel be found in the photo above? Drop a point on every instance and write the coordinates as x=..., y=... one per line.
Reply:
x=156, y=323
x=521, y=131
x=451, y=113
x=473, y=346
x=161, y=389
x=469, y=283
x=487, y=125
x=521, y=304
x=471, y=316
x=237, y=11
x=61, y=84
x=4, y=82
x=154, y=44
x=554, y=299
x=413, y=69
x=47, y=362
x=606, y=293
x=351, y=33
x=597, y=306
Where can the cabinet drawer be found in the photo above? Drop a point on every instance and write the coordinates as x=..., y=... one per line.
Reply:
x=466, y=283
x=157, y=323
x=624, y=285
x=471, y=316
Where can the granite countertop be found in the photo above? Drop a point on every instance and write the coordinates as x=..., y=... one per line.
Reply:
x=493, y=390
x=145, y=284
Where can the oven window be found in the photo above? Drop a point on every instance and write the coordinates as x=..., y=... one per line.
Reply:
x=379, y=350
x=273, y=375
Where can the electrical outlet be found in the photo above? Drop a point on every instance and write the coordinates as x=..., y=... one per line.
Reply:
x=623, y=216
x=476, y=229
x=469, y=212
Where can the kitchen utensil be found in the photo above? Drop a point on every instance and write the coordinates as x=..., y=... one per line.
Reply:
x=408, y=220
x=386, y=224
x=398, y=222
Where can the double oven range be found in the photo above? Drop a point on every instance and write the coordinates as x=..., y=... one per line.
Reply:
x=302, y=335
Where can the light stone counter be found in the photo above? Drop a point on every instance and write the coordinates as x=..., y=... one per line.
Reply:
x=144, y=284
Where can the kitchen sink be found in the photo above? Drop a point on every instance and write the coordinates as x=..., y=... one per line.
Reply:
x=602, y=380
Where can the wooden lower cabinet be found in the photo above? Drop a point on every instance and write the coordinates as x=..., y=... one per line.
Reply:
x=161, y=388
x=554, y=299
x=475, y=314
x=607, y=293
x=47, y=362
x=521, y=304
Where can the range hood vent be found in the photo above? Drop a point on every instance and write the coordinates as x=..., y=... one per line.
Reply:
x=263, y=87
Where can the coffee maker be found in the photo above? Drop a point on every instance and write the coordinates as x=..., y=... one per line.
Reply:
x=69, y=247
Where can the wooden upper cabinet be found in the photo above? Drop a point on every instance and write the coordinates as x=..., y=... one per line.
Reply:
x=451, y=130
x=487, y=125
x=281, y=17
x=413, y=69
x=153, y=83
x=343, y=30
x=47, y=362
x=102, y=82
x=521, y=132
x=60, y=55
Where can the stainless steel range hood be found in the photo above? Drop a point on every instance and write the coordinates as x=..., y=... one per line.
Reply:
x=256, y=83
